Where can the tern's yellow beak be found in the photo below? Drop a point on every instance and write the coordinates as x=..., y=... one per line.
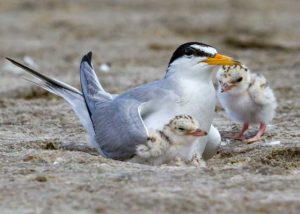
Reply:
x=220, y=59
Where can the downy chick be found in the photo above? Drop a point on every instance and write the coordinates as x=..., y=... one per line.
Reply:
x=175, y=141
x=246, y=98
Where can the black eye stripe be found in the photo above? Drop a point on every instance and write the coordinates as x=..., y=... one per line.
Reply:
x=192, y=51
x=187, y=50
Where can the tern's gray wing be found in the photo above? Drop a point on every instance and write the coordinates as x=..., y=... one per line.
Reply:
x=119, y=127
x=117, y=122
x=91, y=88
x=154, y=96
x=153, y=90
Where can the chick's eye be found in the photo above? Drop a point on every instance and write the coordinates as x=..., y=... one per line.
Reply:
x=239, y=79
x=189, y=51
x=181, y=129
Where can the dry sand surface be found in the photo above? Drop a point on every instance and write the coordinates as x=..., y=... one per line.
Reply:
x=45, y=164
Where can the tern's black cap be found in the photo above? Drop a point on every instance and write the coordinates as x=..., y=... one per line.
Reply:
x=188, y=50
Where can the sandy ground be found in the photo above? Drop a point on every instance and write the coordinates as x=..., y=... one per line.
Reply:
x=45, y=165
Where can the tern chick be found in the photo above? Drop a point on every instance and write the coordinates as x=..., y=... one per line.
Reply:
x=175, y=142
x=246, y=98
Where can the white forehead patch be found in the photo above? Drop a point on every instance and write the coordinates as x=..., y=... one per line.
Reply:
x=205, y=49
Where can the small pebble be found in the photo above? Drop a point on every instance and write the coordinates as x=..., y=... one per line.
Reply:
x=30, y=62
x=41, y=179
x=105, y=67
x=226, y=142
x=273, y=143
x=58, y=160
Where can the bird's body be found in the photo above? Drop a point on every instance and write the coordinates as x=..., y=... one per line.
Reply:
x=116, y=124
x=174, y=142
x=196, y=97
x=246, y=98
x=191, y=96
x=240, y=107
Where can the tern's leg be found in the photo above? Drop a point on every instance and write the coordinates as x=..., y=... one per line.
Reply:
x=155, y=146
x=240, y=135
x=262, y=128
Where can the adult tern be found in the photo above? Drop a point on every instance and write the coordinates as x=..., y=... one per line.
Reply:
x=117, y=124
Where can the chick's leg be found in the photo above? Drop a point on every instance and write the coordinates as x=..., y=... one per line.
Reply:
x=262, y=128
x=240, y=135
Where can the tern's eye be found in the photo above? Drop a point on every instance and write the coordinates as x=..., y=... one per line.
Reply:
x=239, y=79
x=189, y=51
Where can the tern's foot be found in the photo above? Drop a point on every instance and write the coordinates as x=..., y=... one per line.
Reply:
x=252, y=140
x=257, y=137
x=237, y=136
x=240, y=136
x=154, y=147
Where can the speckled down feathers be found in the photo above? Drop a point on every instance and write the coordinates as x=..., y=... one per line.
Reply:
x=251, y=100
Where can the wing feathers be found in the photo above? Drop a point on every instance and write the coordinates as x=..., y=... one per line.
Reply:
x=92, y=90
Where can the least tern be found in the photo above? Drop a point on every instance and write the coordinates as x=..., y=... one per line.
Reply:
x=175, y=141
x=246, y=98
x=116, y=124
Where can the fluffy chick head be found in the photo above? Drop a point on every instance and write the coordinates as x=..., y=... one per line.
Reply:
x=233, y=79
x=183, y=128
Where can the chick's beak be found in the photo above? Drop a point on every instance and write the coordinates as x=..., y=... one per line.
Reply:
x=220, y=59
x=225, y=87
x=198, y=133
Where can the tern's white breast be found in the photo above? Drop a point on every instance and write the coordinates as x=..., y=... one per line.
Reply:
x=196, y=99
